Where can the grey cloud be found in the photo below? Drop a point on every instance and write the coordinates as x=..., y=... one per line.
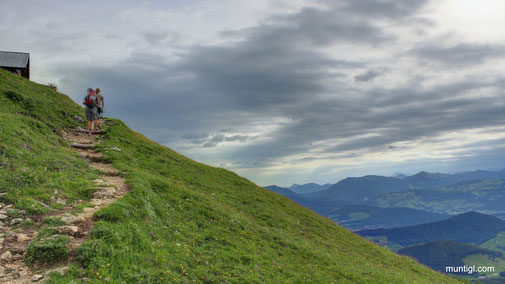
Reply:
x=214, y=140
x=323, y=27
x=381, y=8
x=459, y=55
x=191, y=136
x=162, y=38
x=240, y=138
x=367, y=76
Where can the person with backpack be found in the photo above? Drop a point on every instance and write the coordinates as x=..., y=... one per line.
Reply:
x=101, y=106
x=91, y=103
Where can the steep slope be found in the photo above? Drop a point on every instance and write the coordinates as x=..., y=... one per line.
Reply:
x=182, y=221
x=471, y=227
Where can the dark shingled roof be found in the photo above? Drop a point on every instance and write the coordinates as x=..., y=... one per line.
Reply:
x=14, y=59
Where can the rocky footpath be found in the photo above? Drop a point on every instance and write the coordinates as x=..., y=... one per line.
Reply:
x=18, y=231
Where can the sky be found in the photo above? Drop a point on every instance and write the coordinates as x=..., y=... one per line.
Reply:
x=285, y=91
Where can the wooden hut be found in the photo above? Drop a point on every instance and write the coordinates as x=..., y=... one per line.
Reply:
x=16, y=62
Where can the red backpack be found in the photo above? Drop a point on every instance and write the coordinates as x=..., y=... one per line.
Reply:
x=91, y=100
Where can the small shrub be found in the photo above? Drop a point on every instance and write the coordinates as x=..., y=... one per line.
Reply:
x=48, y=250
x=52, y=86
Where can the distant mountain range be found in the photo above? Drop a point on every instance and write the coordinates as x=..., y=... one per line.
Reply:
x=362, y=189
x=482, y=191
x=479, y=190
x=472, y=227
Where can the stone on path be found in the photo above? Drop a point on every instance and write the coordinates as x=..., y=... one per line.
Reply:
x=68, y=230
x=69, y=219
x=103, y=193
x=22, y=238
x=37, y=277
x=6, y=256
x=82, y=146
x=16, y=221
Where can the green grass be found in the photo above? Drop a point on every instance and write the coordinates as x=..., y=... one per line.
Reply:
x=35, y=163
x=183, y=221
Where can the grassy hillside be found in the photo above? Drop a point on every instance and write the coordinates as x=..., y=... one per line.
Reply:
x=183, y=221
x=35, y=164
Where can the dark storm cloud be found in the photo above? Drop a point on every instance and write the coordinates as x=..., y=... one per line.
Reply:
x=460, y=54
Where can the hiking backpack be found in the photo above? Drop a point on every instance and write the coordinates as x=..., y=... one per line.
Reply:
x=91, y=100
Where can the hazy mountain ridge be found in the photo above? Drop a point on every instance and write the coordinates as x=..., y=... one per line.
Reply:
x=362, y=189
x=309, y=187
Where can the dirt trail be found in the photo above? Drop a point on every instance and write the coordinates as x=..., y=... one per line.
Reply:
x=14, y=241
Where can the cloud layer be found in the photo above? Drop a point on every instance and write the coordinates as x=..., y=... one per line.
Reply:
x=311, y=93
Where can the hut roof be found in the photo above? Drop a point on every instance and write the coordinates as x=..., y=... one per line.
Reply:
x=14, y=59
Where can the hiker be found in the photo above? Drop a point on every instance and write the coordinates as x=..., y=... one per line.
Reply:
x=91, y=103
x=101, y=105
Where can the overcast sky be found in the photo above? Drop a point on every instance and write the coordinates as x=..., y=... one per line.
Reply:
x=285, y=91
